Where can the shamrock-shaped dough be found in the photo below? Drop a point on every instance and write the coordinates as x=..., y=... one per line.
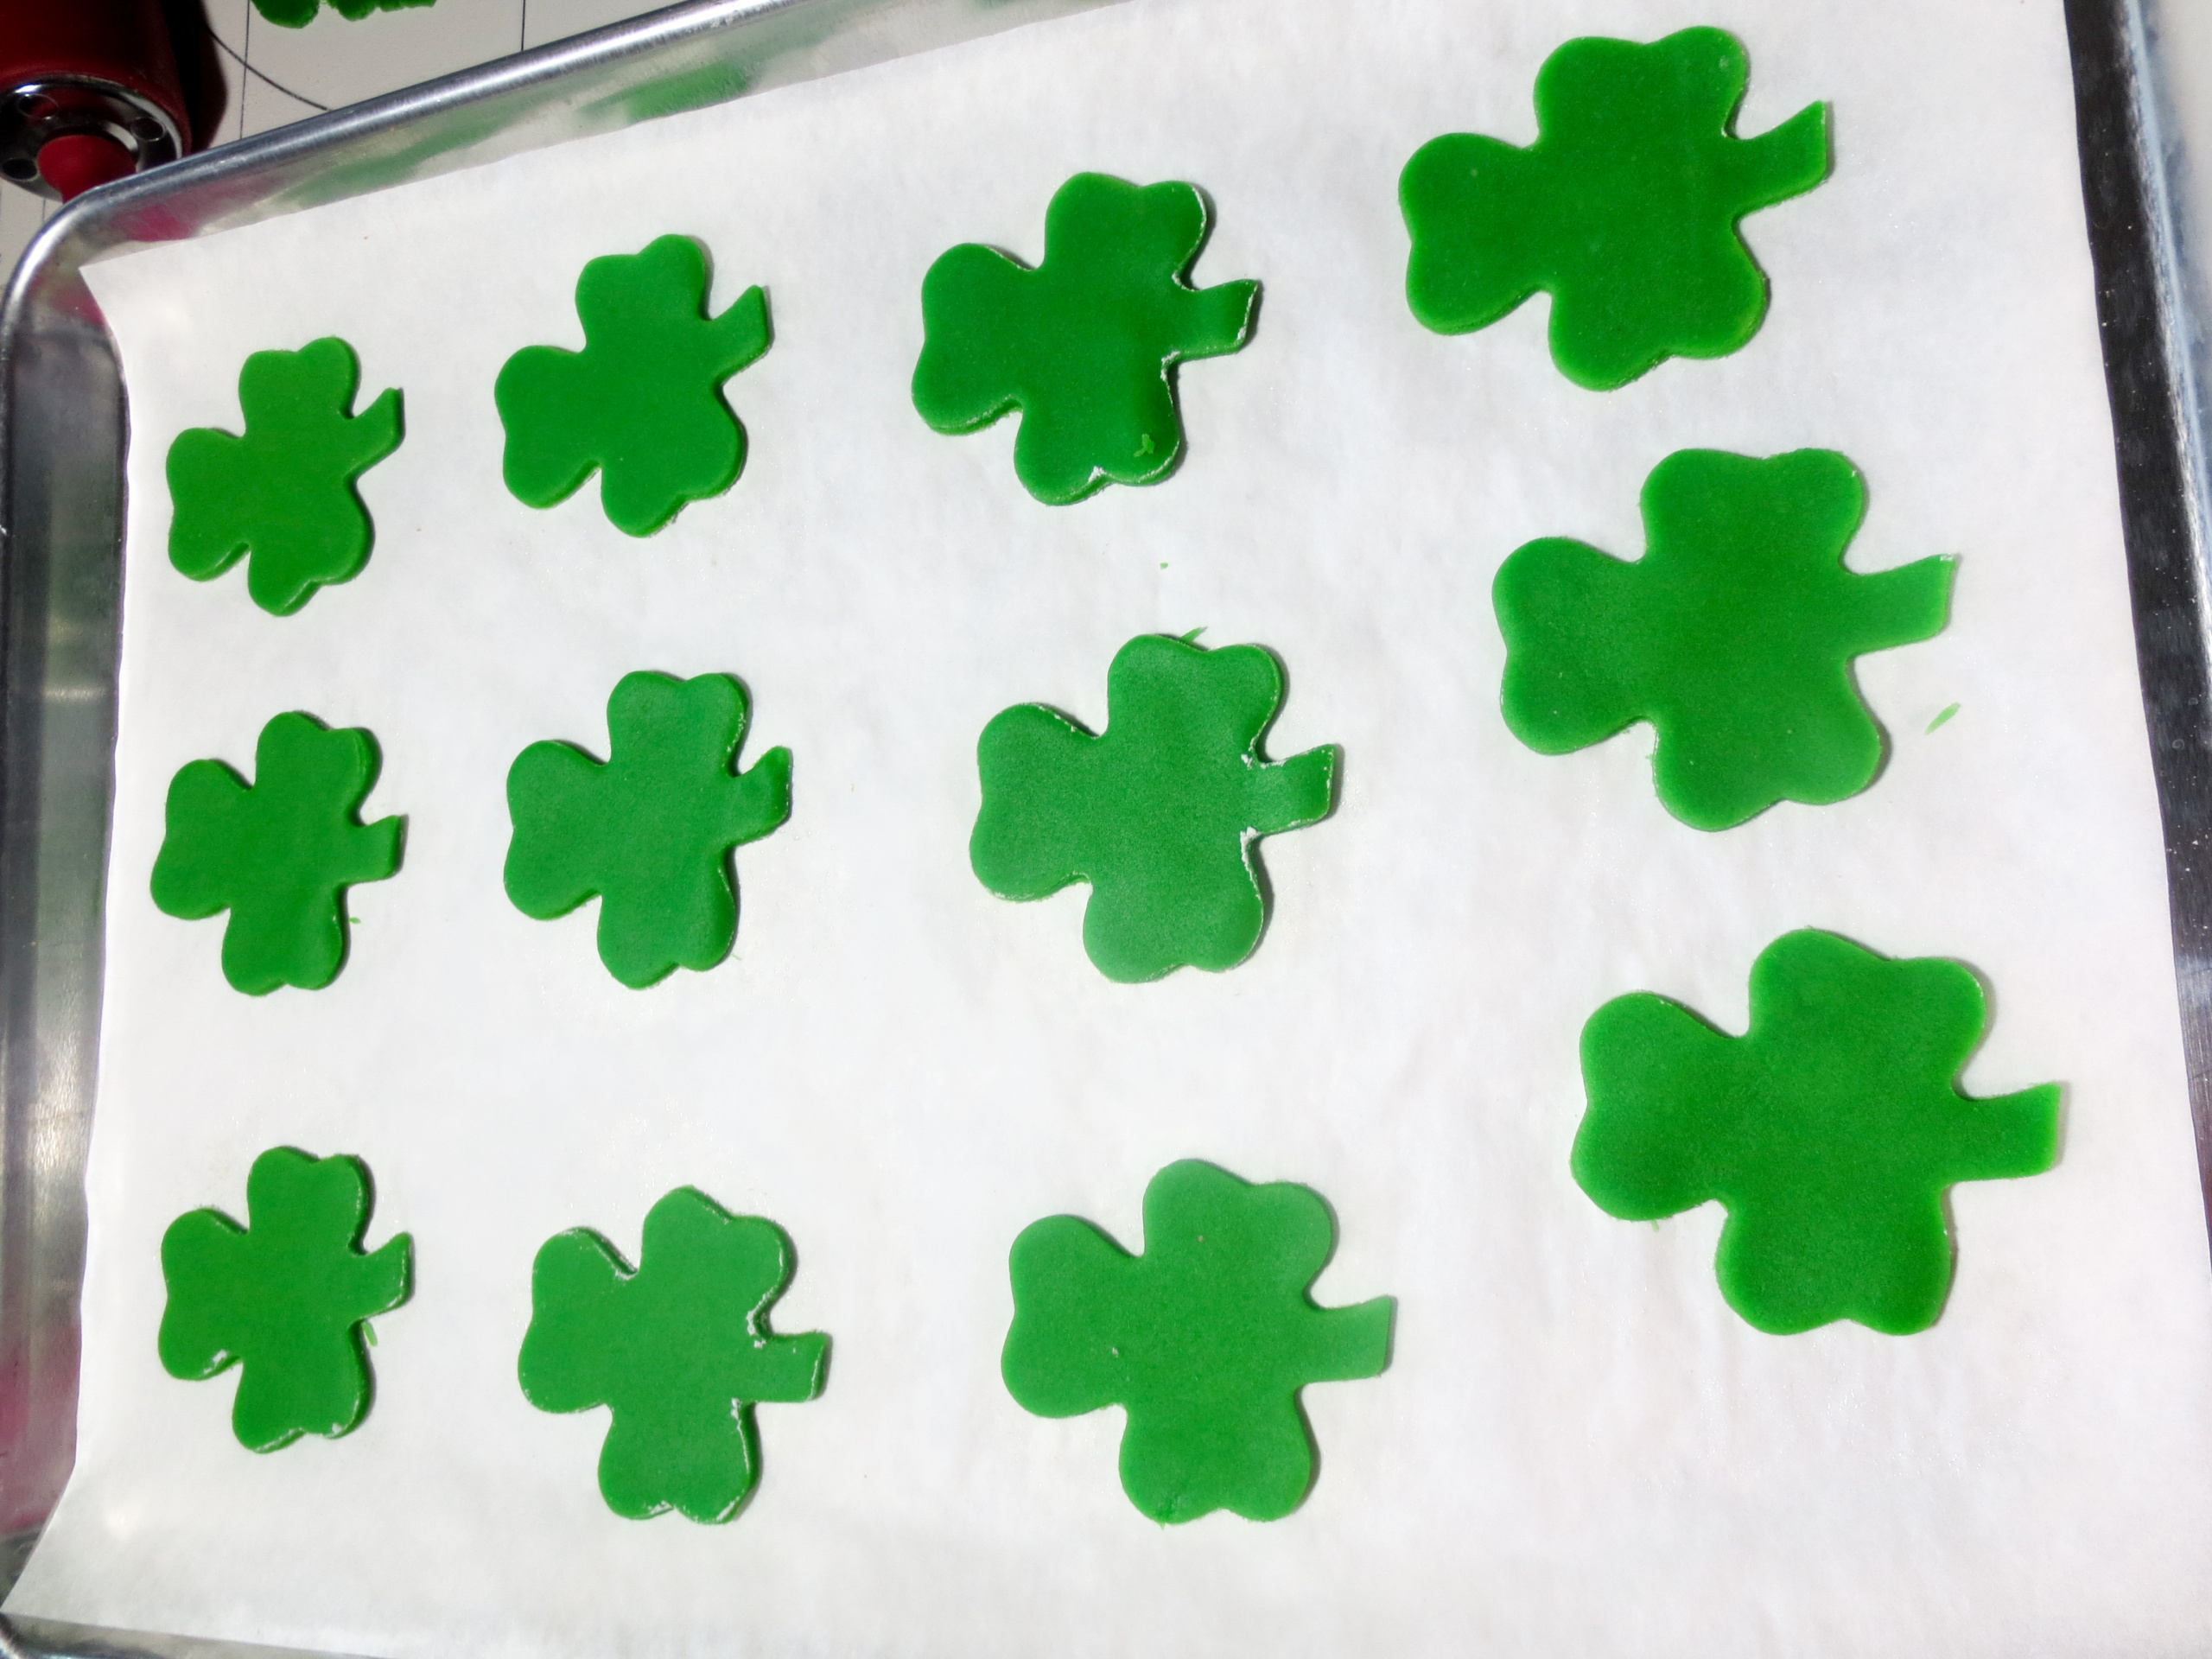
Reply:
x=1160, y=813
x=298, y=14
x=1206, y=1338
x=285, y=1296
x=1084, y=346
x=1733, y=634
x=648, y=831
x=1829, y=1131
x=278, y=852
x=679, y=1347
x=642, y=403
x=282, y=494
x=1624, y=210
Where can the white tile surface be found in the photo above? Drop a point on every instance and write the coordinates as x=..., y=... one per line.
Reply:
x=21, y=215
x=274, y=76
x=335, y=60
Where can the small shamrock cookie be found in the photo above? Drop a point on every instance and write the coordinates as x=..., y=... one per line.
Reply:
x=1733, y=634
x=1830, y=1131
x=285, y=1298
x=1205, y=1339
x=298, y=14
x=278, y=852
x=1085, y=345
x=282, y=494
x=1160, y=812
x=678, y=1348
x=647, y=831
x=641, y=404
x=1624, y=210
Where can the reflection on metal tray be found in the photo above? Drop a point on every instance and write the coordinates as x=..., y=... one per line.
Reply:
x=62, y=415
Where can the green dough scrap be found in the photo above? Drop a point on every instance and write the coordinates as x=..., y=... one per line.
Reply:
x=282, y=494
x=1830, y=1132
x=679, y=1347
x=283, y=1297
x=279, y=853
x=1205, y=1340
x=1625, y=209
x=648, y=831
x=642, y=403
x=1733, y=635
x=1085, y=345
x=1161, y=813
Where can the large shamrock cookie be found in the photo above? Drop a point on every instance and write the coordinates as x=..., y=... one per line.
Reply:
x=1624, y=210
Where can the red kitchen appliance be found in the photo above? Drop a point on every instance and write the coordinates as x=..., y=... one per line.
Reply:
x=89, y=92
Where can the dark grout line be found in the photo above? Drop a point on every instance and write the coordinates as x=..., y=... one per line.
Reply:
x=275, y=85
x=245, y=62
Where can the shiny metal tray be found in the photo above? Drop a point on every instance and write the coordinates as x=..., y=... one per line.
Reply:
x=64, y=414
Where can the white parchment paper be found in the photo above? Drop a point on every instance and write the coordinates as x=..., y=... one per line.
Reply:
x=1578, y=1449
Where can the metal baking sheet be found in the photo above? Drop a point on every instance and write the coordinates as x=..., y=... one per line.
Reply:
x=63, y=415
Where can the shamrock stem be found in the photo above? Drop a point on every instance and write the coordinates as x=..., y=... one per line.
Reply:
x=375, y=431
x=1293, y=793
x=1347, y=1343
x=741, y=332
x=787, y=1368
x=762, y=799
x=2004, y=1137
x=1901, y=607
x=1220, y=317
x=1786, y=162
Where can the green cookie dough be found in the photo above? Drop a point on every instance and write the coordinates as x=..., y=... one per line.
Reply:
x=278, y=852
x=642, y=403
x=283, y=1297
x=1205, y=1340
x=298, y=14
x=648, y=831
x=282, y=494
x=1624, y=210
x=1733, y=635
x=679, y=1347
x=1160, y=813
x=1830, y=1131
x=1084, y=346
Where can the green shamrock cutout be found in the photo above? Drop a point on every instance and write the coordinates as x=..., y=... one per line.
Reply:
x=648, y=831
x=285, y=1297
x=1625, y=209
x=1830, y=1132
x=1085, y=345
x=282, y=494
x=1160, y=813
x=298, y=14
x=679, y=1347
x=642, y=403
x=1205, y=1340
x=278, y=852
x=1733, y=635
